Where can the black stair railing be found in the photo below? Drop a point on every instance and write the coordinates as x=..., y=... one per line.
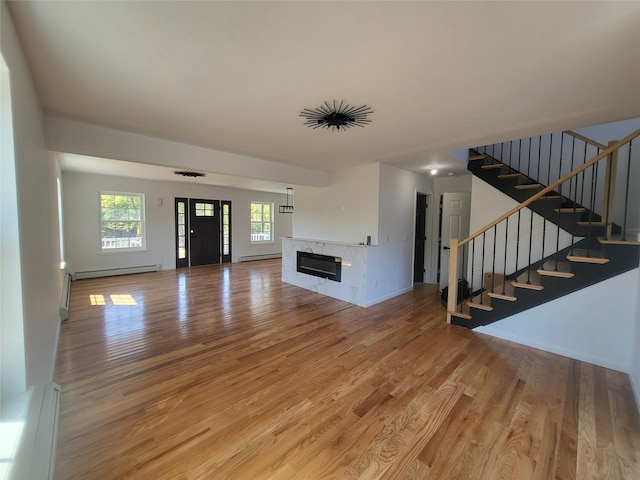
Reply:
x=546, y=158
x=520, y=240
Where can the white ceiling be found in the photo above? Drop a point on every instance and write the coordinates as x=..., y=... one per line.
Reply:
x=234, y=76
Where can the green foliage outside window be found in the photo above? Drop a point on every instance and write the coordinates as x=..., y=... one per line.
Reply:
x=261, y=222
x=121, y=221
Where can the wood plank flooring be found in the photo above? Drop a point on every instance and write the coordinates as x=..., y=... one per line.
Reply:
x=224, y=372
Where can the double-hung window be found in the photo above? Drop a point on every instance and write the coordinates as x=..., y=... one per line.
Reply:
x=121, y=221
x=261, y=222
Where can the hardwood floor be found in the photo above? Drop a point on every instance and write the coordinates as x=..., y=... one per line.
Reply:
x=224, y=372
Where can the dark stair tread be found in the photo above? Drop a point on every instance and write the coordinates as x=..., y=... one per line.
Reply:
x=530, y=280
x=478, y=157
x=583, y=255
x=550, y=197
x=554, y=268
x=493, y=166
x=528, y=186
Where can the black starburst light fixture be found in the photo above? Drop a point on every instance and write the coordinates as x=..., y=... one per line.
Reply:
x=336, y=117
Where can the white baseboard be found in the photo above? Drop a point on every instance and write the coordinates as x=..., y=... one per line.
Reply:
x=64, y=297
x=114, y=271
x=266, y=256
x=36, y=454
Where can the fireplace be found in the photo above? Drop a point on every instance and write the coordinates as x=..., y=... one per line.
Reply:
x=323, y=266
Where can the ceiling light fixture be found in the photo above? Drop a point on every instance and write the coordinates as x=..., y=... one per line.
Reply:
x=188, y=173
x=434, y=170
x=288, y=208
x=336, y=117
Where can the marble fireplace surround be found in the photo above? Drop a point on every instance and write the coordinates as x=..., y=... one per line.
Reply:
x=356, y=263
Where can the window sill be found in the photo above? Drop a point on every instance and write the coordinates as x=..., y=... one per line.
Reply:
x=265, y=242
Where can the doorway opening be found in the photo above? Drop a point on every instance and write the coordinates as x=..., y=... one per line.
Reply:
x=203, y=232
x=455, y=215
x=420, y=238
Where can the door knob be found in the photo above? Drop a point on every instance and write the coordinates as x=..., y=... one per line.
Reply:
x=446, y=248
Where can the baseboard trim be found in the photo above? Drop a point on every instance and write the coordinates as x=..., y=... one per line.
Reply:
x=266, y=256
x=64, y=297
x=114, y=271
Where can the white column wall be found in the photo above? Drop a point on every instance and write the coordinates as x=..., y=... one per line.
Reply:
x=81, y=220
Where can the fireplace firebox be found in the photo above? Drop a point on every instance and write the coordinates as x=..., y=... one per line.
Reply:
x=323, y=266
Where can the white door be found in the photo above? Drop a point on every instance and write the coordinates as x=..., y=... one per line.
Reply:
x=456, y=211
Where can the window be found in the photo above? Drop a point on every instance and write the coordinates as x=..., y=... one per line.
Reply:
x=261, y=222
x=122, y=221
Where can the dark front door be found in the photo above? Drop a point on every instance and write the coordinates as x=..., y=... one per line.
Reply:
x=421, y=221
x=204, y=231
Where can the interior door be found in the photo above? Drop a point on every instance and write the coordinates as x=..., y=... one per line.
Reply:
x=204, y=231
x=455, y=215
x=420, y=240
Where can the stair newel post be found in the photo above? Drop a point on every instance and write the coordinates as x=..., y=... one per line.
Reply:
x=510, y=151
x=539, y=156
x=473, y=262
x=518, y=240
x=549, y=159
x=484, y=234
x=529, y=160
x=452, y=299
x=559, y=193
x=609, y=189
x=584, y=160
x=592, y=203
x=493, y=259
x=519, y=154
x=504, y=270
x=626, y=196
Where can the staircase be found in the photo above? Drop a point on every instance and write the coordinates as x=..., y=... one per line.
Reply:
x=561, y=238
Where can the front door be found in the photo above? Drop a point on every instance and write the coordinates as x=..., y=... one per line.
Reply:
x=455, y=215
x=204, y=231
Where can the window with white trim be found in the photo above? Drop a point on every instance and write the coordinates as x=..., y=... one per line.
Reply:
x=261, y=222
x=121, y=221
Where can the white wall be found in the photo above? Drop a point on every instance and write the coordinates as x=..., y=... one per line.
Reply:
x=377, y=200
x=457, y=184
x=345, y=211
x=31, y=278
x=81, y=220
x=391, y=270
x=64, y=135
x=37, y=215
x=594, y=324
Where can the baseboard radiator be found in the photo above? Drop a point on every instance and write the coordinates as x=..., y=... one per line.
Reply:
x=266, y=256
x=114, y=271
x=64, y=297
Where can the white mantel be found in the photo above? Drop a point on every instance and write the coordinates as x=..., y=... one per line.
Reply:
x=356, y=263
